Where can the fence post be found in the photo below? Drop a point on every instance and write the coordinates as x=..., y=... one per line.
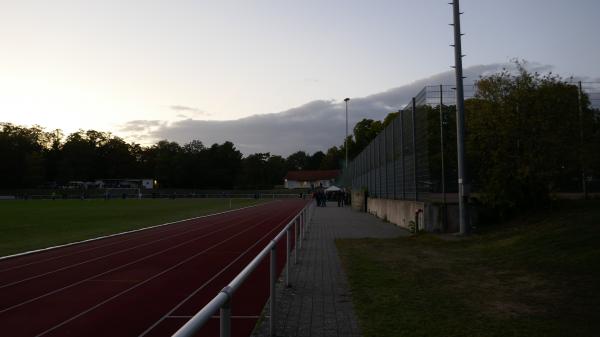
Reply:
x=303, y=225
x=296, y=241
x=581, y=161
x=373, y=191
x=368, y=169
x=379, y=189
x=225, y=315
x=444, y=204
x=305, y=217
x=299, y=232
x=402, y=153
x=273, y=278
x=287, y=257
x=394, y=157
x=385, y=174
x=414, y=141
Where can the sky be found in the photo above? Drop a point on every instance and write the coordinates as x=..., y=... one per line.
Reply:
x=147, y=70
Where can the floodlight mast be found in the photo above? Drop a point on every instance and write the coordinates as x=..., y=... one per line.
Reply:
x=463, y=187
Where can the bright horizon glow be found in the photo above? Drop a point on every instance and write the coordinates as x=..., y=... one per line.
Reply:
x=79, y=64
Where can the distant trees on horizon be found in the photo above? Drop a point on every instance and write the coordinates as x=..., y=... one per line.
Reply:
x=32, y=157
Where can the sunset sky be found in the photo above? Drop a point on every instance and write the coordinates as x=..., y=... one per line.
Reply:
x=102, y=64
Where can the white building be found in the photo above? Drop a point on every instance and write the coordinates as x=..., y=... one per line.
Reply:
x=310, y=179
x=126, y=183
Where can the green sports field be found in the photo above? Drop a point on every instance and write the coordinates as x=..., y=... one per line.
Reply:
x=536, y=275
x=32, y=224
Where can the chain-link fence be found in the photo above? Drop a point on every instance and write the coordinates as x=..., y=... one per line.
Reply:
x=414, y=157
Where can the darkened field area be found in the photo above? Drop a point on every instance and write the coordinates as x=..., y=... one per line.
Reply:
x=34, y=224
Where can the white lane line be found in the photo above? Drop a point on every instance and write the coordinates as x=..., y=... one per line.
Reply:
x=123, y=233
x=165, y=316
x=111, y=270
x=148, y=280
x=110, y=254
x=80, y=251
x=216, y=316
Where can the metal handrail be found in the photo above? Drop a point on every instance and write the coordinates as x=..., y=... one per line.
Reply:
x=222, y=300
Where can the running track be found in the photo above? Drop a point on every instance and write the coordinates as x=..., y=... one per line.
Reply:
x=146, y=283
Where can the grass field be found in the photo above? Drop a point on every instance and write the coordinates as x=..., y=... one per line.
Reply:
x=538, y=275
x=32, y=224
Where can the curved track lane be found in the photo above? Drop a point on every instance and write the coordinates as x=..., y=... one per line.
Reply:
x=142, y=283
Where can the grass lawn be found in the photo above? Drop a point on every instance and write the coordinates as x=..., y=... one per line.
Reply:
x=33, y=224
x=538, y=275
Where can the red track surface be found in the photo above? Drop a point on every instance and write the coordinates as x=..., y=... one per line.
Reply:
x=146, y=283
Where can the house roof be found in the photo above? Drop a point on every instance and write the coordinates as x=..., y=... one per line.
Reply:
x=312, y=175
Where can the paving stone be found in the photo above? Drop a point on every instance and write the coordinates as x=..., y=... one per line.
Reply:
x=319, y=301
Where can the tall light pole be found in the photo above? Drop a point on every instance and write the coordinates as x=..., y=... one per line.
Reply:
x=346, y=139
x=463, y=187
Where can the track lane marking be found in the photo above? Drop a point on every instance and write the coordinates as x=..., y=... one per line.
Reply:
x=114, y=253
x=150, y=279
x=192, y=294
x=111, y=270
x=218, y=317
x=122, y=233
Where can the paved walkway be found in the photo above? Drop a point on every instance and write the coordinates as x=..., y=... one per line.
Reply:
x=318, y=303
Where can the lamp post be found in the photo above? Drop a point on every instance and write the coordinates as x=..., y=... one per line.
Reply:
x=463, y=187
x=346, y=138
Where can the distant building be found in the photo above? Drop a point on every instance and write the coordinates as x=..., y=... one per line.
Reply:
x=126, y=183
x=309, y=179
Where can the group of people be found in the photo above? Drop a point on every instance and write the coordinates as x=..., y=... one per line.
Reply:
x=342, y=197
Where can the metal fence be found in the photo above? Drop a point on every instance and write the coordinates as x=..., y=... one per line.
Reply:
x=397, y=163
x=414, y=157
x=295, y=230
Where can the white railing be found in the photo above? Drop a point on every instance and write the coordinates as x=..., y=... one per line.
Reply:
x=299, y=224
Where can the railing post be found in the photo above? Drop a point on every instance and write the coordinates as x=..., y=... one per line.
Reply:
x=299, y=232
x=272, y=287
x=296, y=241
x=225, y=315
x=303, y=225
x=287, y=257
x=305, y=218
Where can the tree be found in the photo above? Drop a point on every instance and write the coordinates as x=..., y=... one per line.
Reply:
x=523, y=137
x=254, y=172
x=364, y=132
x=21, y=148
x=226, y=162
x=314, y=161
x=333, y=159
x=164, y=159
x=78, y=158
x=297, y=161
x=276, y=169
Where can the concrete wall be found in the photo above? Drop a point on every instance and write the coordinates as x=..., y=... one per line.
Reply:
x=399, y=212
x=358, y=200
x=402, y=212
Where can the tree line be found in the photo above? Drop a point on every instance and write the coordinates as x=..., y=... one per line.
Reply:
x=33, y=157
x=529, y=136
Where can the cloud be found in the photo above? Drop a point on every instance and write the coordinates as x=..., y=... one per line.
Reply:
x=314, y=126
x=192, y=112
x=139, y=130
x=141, y=125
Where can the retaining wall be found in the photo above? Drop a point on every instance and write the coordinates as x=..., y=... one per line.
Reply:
x=428, y=215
